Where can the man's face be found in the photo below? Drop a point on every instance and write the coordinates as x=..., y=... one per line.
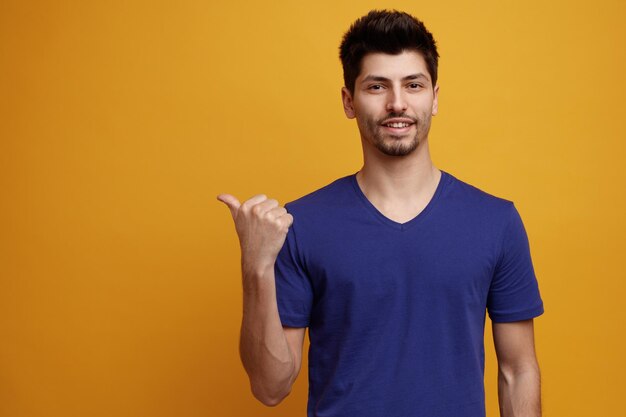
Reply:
x=393, y=101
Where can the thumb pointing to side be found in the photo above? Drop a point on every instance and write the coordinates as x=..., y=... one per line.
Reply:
x=232, y=203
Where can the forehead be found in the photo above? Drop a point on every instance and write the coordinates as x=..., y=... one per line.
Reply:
x=393, y=66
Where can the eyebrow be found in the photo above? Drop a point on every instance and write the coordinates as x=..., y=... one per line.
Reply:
x=407, y=78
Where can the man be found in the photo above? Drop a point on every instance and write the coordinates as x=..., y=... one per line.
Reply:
x=392, y=268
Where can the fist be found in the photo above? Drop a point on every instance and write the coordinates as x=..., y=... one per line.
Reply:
x=262, y=226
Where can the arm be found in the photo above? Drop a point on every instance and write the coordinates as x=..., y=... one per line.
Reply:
x=519, y=391
x=270, y=354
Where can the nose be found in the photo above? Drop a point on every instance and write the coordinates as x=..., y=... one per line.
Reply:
x=396, y=101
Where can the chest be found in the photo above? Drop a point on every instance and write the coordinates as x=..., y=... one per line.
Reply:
x=376, y=268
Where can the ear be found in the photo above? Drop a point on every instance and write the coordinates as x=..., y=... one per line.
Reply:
x=348, y=106
x=435, y=100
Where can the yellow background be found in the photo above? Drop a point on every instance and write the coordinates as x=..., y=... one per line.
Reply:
x=120, y=122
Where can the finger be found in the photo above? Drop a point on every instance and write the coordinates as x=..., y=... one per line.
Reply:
x=254, y=200
x=288, y=218
x=231, y=201
x=265, y=206
x=276, y=212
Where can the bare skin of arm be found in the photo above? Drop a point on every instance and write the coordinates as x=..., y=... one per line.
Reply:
x=519, y=389
x=271, y=354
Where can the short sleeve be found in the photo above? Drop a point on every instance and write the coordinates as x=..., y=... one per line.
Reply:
x=294, y=293
x=514, y=291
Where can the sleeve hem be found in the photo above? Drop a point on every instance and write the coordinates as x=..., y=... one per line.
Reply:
x=523, y=315
x=293, y=321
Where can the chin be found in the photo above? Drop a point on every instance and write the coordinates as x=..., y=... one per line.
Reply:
x=390, y=147
x=393, y=151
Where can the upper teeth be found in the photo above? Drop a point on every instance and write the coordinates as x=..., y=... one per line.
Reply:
x=397, y=124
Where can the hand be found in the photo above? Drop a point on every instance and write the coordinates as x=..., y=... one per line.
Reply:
x=262, y=226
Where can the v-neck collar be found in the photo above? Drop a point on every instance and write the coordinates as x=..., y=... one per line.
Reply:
x=443, y=180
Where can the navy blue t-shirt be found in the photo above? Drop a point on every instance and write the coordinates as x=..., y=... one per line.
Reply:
x=396, y=311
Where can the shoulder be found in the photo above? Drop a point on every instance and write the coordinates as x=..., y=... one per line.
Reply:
x=322, y=198
x=473, y=202
x=323, y=211
x=472, y=195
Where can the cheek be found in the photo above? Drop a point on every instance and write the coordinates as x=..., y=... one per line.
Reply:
x=366, y=121
x=373, y=105
x=362, y=123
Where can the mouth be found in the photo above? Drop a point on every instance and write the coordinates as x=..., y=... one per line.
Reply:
x=398, y=126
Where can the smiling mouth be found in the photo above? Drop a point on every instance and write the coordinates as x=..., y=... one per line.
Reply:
x=397, y=125
x=398, y=128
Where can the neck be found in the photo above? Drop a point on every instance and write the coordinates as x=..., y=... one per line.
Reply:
x=398, y=180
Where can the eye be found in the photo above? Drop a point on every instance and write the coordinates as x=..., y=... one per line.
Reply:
x=415, y=85
x=375, y=87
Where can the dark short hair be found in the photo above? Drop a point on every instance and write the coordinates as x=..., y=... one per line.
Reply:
x=390, y=32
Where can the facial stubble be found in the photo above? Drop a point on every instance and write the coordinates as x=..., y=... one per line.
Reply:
x=393, y=145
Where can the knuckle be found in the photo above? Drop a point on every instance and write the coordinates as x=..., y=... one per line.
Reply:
x=256, y=210
x=254, y=200
x=278, y=211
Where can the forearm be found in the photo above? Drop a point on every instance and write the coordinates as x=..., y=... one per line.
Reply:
x=519, y=392
x=264, y=350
